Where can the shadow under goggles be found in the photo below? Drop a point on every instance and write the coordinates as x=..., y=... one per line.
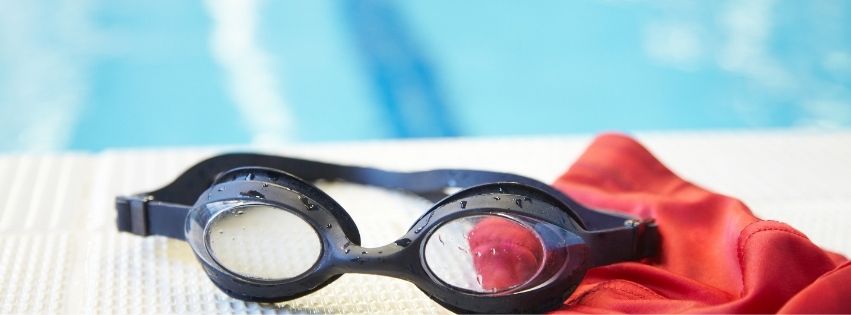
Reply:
x=504, y=243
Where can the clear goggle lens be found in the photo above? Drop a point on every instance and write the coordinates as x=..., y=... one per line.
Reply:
x=263, y=242
x=495, y=253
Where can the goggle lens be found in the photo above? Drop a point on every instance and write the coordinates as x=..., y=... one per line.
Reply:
x=486, y=253
x=263, y=242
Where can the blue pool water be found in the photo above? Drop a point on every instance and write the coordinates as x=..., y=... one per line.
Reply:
x=97, y=74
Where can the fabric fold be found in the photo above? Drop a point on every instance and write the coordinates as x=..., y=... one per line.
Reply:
x=716, y=256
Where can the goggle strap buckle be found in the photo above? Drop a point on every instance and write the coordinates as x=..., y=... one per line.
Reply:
x=139, y=215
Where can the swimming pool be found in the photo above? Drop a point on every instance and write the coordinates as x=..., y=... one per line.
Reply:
x=98, y=74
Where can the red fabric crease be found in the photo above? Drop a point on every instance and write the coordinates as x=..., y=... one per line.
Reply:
x=716, y=256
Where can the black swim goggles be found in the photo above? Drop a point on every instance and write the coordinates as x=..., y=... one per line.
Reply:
x=502, y=244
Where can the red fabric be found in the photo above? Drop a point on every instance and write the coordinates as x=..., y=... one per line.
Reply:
x=716, y=256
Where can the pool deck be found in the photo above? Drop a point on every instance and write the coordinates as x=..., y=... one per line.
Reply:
x=60, y=252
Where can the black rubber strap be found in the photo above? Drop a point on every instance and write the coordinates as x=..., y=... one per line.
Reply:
x=162, y=212
x=143, y=216
x=634, y=241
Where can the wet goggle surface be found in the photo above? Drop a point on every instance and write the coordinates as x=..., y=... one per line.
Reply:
x=503, y=243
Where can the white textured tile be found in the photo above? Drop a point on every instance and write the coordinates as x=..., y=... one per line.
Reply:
x=60, y=253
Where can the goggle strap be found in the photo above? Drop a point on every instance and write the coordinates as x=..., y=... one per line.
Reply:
x=163, y=212
x=142, y=216
x=633, y=241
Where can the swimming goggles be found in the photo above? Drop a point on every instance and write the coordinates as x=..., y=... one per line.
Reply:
x=504, y=243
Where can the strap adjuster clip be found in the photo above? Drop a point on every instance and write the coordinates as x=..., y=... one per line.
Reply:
x=139, y=215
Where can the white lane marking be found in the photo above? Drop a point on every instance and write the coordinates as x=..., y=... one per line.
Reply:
x=252, y=83
x=43, y=82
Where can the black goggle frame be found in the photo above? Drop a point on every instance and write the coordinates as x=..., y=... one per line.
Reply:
x=175, y=211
